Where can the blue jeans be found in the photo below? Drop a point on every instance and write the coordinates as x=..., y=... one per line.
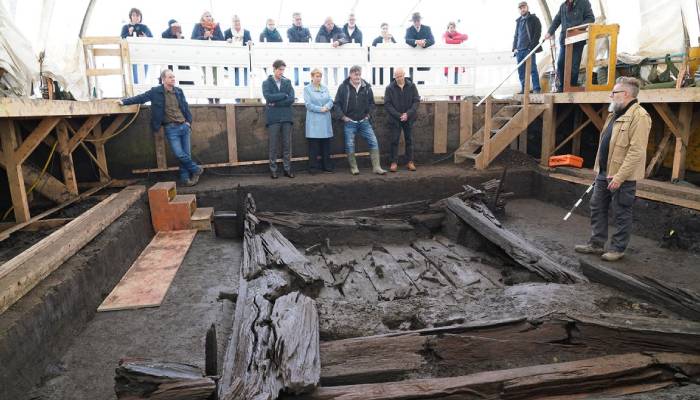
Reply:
x=135, y=70
x=520, y=55
x=365, y=129
x=576, y=53
x=178, y=136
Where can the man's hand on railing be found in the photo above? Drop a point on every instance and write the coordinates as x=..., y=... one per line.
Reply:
x=547, y=36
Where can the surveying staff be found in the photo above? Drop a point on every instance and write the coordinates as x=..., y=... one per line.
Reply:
x=619, y=164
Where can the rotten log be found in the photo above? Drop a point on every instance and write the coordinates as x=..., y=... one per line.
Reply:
x=477, y=215
x=681, y=301
x=148, y=379
x=608, y=375
x=281, y=251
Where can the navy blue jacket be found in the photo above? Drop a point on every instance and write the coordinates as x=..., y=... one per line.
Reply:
x=298, y=34
x=380, y=39
x=278, y=107
x=139, y=30
x=356, y=34
x=157, y=98
x=580, y=13
x=168, y=34
x=198, y=33
x=336, y=34
x=270, y=36
x=425, y=33
x=228, y=34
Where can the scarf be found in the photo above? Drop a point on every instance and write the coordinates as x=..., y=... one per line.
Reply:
x=209, y=26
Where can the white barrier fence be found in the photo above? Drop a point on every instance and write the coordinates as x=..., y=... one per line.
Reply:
x=206, y=69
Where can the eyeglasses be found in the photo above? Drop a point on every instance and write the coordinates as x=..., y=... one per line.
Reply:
x=616, y=91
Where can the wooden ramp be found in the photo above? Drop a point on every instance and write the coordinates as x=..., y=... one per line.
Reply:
x=149, y=278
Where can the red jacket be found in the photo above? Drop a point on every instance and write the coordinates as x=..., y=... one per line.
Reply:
x=454, y=38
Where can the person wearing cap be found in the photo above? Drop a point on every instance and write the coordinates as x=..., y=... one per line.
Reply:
x=174, y=30
x=419, y=35
x=571, y=13
x=527, y=36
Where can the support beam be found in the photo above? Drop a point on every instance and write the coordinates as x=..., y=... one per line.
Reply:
x=440, y=128
x=47, y=185
x=574, y=134
x=100, y=150
x=161, y=160
x=660, y=154
x=593, y=115
x=83, y=131
x=466, y=121
x=231, y=133
x=669, y=118
x=66, y=159
x=482, y=161
x=685, y=120
x=14, y=171
x=576, y=140
x=32, y=141
x=548, y=131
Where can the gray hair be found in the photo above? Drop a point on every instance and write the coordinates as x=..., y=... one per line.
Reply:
x=165, y=72
x=631, y=84
x=296, y=14
x=355, y=68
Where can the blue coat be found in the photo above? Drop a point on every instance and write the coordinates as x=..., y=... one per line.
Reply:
x=425, y=33
x=228, y=34
x=318, y=124
x=156, y=95
x=270, y=36
x=278, y=107
x=198, y=33
x=139, y=30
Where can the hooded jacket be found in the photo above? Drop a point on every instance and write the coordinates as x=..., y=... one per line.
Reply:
x=398, y=101
x=352, y=103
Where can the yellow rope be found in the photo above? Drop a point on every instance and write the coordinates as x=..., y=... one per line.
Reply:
x=138, y=110
x=36, y=181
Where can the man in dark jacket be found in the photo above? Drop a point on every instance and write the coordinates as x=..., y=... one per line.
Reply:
x=297, y=33
x=174, y=30
x=330, y=33
x=279, y=97
x=571, y=13
x=401, y=101
x=270, y=34
x=418, y=35
x=527, y=35
x=170, y=110
x=354, y=104
x=351, y=31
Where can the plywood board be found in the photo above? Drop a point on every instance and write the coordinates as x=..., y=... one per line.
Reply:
x=149, y=278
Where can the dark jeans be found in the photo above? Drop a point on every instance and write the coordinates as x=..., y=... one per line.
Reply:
x=178, y=136
x=320, y=148
x=280, y=133
x=520, y=55
x=395, y=128
x=577, y=51
x=622, y=201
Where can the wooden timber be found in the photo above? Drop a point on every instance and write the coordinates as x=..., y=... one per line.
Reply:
x=40, y=108
x=147, y=379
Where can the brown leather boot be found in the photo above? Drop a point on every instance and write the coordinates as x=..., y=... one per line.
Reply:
x=411, y=166
x=393, y=167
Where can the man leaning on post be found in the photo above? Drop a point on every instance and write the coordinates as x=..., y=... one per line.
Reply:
x=619, y=165
x=170, y=110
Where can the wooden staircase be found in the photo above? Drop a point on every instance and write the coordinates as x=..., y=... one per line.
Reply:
x=171, y=211
x=503, y=128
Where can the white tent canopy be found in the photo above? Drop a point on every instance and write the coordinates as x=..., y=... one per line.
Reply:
x=648, y=27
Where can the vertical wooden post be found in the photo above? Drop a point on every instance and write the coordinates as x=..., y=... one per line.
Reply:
x=466, y=121
x=231, y=133
x=566, y=81
x=66, y=159
x=685, y=118
x=522, y=139
x=160, y=149
x=14, y=171
x=548, y=130
x=485, y=157
x=576, y=141
x=440, y=128
x=100, y=153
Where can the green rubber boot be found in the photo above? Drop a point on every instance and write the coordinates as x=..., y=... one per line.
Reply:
x=353, y=164
x=376, y=168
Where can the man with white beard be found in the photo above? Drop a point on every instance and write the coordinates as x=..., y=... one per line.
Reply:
x=619, y=164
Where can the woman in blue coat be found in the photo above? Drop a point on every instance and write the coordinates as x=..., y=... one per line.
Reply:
x=319, y=130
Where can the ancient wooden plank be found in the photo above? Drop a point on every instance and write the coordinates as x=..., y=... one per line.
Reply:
x=476, y=260
x=13, y=167
x=599, y=376
x=422, y=272
x=387, y=276
x=231, y=139
x=147, y=281
x=454, y=268
x=25, y=271
x=678, y=300
x=148, y=379
x=281, y=251
x=524, y=253
x=440, y=128
x=350, y=277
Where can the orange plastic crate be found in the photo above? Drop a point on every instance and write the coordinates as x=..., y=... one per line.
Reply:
x=567, y=160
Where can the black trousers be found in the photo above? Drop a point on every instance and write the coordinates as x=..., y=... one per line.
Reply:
x=576, y=54
x=320, y=154
x=395, y=128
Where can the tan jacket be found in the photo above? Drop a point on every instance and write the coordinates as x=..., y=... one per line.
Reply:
x=628, y=145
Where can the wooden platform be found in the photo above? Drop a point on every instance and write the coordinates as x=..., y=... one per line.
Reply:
x=20, y=107
x=685, y=95
x=149, y=278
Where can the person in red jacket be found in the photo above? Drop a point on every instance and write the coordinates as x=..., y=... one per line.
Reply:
x=454, y=37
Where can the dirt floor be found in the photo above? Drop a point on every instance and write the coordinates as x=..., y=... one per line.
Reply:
x=175, y=331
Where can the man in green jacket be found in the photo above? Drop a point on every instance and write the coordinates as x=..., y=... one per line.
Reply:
x=619, y=164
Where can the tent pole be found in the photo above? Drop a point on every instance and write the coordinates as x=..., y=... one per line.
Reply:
x=86, y=17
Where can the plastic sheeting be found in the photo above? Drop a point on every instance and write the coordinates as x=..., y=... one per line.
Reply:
x=16, y=58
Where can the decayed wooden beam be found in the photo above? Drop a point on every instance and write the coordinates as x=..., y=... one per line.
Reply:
x=19, y=275
x=281, y=251
x=616, y=374
x=593, y=116
x=148, y=379
x=678, y=300
x=38, y=134
x=524, y=253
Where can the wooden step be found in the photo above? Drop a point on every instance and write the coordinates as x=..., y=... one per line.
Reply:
x=505, y=119
x=161, y=193
x=186, y=199
x=202, y=218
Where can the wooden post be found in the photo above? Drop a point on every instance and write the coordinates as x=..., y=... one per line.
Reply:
x=231, y=133
x=548, y=131
x=466, y=121
x=100, y=153
x=522, y=139
x=66, y=159
x=160, y=149
x=14, y=170
x=685, y=118
x=576, y=141
x=484, y=157
x=440, y=128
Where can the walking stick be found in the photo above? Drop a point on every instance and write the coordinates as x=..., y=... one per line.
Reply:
x=578, y=203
